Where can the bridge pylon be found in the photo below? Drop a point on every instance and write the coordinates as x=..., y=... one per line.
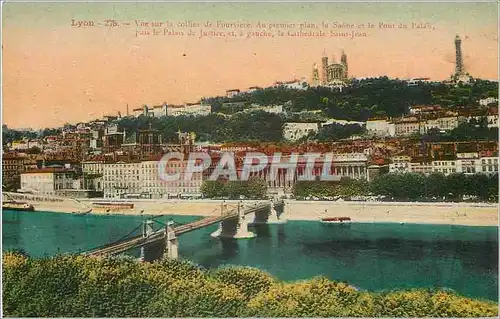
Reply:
x=274, y=215
x=172, y=243
x=147, y=230
x=236, y=227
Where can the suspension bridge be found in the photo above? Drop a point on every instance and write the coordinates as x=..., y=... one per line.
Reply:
x=233, y=222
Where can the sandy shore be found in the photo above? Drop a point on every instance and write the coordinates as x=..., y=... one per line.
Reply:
x=424, y=213
x=470, y=214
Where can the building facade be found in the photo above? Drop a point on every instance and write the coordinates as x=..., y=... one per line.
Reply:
x=160, y=110
x=195, y=109
x=400, y=164
x=232, y=93
x=444, y=167
x=379, y=127
x=121, y=178
x=446, y=123
x=295, y=131
x=489, y=165
x=12, y=168
x=143, y=180
x=93, y=175
x=407, y=126
x=294, y=84
x=47, y=181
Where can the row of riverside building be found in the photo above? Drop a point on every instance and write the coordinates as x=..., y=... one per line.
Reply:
x=140, y=178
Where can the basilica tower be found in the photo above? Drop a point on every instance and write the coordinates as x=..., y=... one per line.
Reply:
x=343, y=61
x=324, y=69
x=315, y=75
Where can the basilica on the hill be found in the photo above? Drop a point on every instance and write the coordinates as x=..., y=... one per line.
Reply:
x=331, y=74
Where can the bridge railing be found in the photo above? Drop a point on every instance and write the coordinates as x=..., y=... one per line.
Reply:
x=137, y=241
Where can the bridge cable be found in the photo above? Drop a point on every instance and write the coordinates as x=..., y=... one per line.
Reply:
x=158, y=216
x=159, y=222
x=116, y=241
x=176, y=223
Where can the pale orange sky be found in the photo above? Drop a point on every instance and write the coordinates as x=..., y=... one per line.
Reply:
x=53, y=74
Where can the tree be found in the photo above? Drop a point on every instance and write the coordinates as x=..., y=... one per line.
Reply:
x=478, y=185
x=334, y=132
x=493, y=187
x=212, y=189
x=235, y=189
x=50, y=132
x=456, y=186
x=256, y=187
x=435, y=186
x=351, y=187
x=401, y=186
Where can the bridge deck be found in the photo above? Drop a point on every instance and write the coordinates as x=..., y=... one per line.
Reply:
x=139, y=241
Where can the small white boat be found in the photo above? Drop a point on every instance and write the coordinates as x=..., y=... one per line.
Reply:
x=336, y=220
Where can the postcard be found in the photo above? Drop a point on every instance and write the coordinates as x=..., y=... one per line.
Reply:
x=250, y=159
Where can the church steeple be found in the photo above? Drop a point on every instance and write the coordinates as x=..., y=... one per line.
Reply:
x=343, y=58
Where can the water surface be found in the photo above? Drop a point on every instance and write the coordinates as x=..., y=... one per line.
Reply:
x=370, y=256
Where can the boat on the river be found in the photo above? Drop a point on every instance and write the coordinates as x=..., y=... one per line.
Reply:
x=83, y=212
x=336, y=220
x=15, y=205
x=112, y=206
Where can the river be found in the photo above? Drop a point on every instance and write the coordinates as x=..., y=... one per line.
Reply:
x=369, y=256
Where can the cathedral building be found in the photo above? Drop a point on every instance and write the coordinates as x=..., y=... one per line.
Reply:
x=331, y=74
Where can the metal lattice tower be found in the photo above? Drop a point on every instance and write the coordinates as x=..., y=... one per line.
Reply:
x=458, y=56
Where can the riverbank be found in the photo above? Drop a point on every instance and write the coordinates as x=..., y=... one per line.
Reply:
x=467, y=214
x=417, y=213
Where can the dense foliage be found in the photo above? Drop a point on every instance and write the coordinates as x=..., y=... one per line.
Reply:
x=368, y=97
x=259, y=126
x=76, y=286
x=10, y=135
x=345, y=188
x=252, y=188
x=414, y=186
x=408, y=186
x=335, y=132
x=363, y=99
